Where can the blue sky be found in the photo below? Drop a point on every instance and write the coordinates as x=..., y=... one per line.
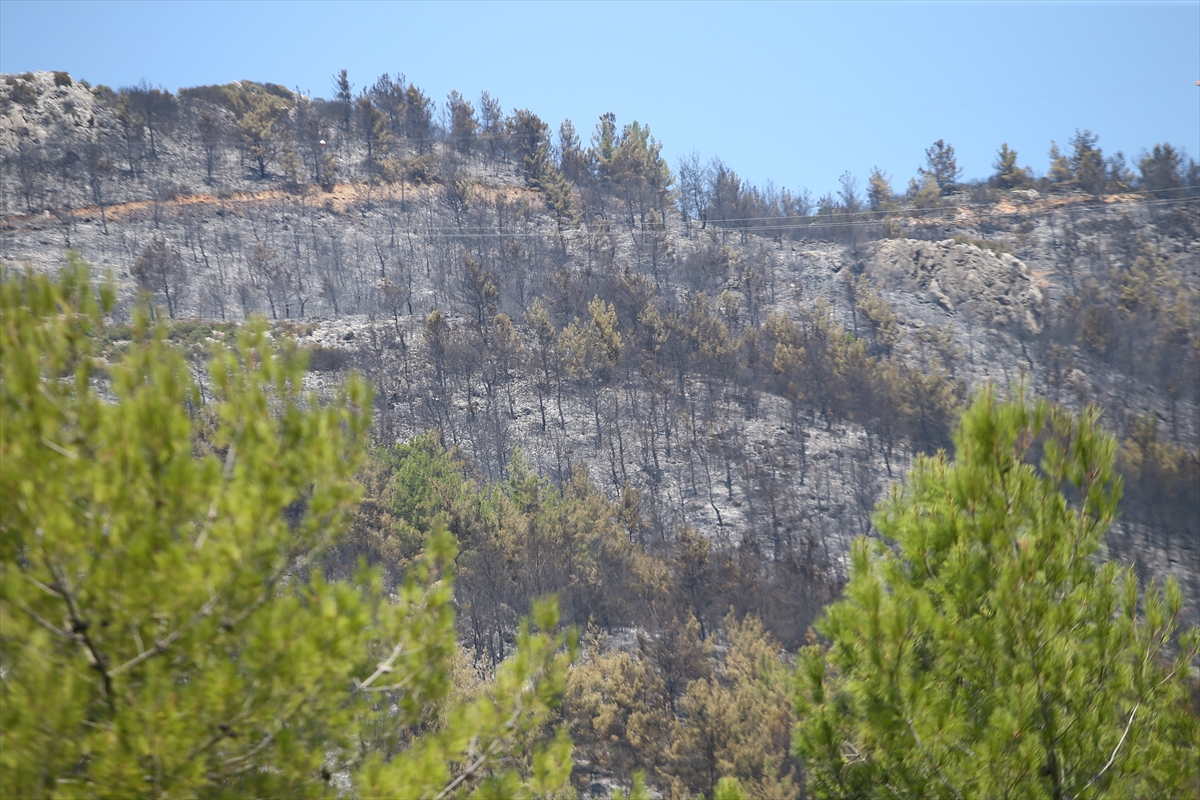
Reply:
x=794, y=93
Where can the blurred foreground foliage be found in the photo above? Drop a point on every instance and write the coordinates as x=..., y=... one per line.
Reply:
x=983, y=650
x=162, y=630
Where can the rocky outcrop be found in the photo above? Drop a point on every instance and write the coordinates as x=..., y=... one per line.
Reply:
x=36, y=108
x=994, y=288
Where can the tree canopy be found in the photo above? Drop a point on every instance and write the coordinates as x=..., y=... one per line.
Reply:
x=983, y=650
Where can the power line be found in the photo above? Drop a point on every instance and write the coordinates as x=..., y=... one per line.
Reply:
x=934, y=209
x=787, y=223
x=853, y=223
x=906, y=109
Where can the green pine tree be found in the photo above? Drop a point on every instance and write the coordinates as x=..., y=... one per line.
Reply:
x=985, y=651
x=1008, y=175
x=261, y=126
x=1087, y=163
x=1161, y=171
x=164, y=626
x=879, y=192
x=1060, y=166
x=941, y=165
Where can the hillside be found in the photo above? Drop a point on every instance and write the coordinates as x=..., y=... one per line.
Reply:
x=691, y=406
x=725, y=378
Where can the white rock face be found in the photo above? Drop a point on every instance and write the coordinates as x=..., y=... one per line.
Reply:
x=996, y=289
x=37, y=117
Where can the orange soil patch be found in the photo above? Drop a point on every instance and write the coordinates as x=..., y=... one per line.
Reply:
x=342, y=198
x=1041, y=278
x=345, y=196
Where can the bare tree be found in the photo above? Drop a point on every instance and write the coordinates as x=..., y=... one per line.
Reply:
x=98, y=168
x=160, y=271
x=30, y=168
x=212, y=128
x=156, y=108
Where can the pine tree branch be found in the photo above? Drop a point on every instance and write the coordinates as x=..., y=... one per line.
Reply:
x=249, y=754
x=243, y=762
x=391, y=687
x=79, y=629
x=211, y=519
x=489, y=751
x=385, y=667
x=44, y=587
x=50, y=626
x=224, y=731
x=1113, y=757
x=161, y=645
x=1099, y=684
x=938, y=767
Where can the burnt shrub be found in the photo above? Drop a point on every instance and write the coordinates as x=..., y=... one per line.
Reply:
x=327, y=359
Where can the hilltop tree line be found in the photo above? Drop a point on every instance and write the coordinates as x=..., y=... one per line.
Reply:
x=713, y=193
x=392, y=131
x=386, y=132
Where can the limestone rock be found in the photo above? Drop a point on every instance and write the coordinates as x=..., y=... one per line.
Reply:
x=996, y=289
